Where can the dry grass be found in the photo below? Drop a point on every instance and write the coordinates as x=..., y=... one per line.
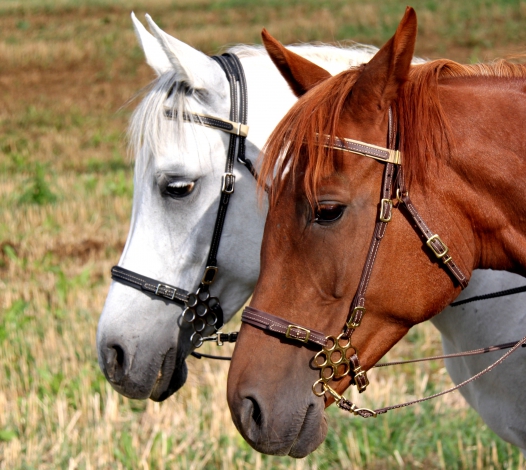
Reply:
x=67, y=68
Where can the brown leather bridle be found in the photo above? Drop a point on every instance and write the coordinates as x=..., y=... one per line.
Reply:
x=332, y=360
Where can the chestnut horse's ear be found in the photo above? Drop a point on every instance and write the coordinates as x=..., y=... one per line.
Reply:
x=382, y=77
x=301, y=74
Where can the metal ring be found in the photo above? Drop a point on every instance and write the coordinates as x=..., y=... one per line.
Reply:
x=185, y=316
x=334, y=342
x=211, y=319
x=330, y=376
x=192, y=300
x=203, y=295
x=341, y=338
x=324, y=363
x=201, y=310
x=196, y=339
x=341, y=352
x=318, y=382
x=347, y=366
x=199, y=324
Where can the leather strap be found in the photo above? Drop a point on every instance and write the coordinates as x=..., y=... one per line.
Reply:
x=386, y=155
x=279, y=326
x=433, y=241
x=206, y=120
x=143, y=283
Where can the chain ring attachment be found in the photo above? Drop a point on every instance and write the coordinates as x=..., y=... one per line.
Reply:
x=199, y=312
x=330, y=360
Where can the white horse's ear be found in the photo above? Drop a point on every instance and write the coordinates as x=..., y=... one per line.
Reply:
x=155, y=56
x=193, y=67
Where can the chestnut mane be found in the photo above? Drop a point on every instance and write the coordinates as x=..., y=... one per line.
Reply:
x=423, y=129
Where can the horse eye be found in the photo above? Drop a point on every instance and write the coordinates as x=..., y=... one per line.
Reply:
x=328, y=213
x=179, y=189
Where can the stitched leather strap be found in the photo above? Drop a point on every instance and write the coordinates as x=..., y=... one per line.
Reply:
x=279, y=326
x=357, y=309
x=236, y=128
x=382, y=154
x=433, y=241
x=140, y=282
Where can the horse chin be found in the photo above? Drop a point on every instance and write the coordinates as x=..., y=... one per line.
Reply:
x=311, y=435
x=172, y=376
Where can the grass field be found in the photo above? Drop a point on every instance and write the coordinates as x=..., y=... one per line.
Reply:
x=67, y=68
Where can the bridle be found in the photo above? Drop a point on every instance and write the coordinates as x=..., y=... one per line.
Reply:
x=201, y=309
x=338, y=357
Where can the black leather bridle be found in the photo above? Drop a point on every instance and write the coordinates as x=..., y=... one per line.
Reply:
x=200, y=308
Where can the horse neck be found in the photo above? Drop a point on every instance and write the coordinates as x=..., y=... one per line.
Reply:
x=481, y=183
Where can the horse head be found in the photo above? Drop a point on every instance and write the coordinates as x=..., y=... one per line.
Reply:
x=330, y=205
x=179, y=166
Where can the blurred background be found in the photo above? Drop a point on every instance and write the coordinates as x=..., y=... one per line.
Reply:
x=67, y=70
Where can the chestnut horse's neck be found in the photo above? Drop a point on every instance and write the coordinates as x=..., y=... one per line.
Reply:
x=479, y=189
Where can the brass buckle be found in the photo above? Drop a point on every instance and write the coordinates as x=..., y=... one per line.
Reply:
x=169, y=291
x=361, y=373
x=437, y=254
x=208, y=280
x=307, y=333
x=383, y=217
x=352, y=323
x=227, y=187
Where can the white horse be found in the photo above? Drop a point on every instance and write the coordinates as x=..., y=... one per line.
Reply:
x=179, y=164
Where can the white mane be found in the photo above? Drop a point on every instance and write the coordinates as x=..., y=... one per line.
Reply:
x=149, y=127
x=348, y=55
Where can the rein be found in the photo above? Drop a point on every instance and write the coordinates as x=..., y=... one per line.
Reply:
x=338, y=357
x=202, y=310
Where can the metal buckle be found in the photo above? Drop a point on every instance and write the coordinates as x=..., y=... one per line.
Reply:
x=307, y=333
x=208, y=280
x=383, y=217
x=433, y=249
x=352, y=320
x=169, y=291
x=228, y=187
x=361, y=373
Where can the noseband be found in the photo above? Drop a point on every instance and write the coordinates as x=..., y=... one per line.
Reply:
x=202, y=310
x=338, y=357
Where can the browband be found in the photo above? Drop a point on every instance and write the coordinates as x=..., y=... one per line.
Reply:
x=367, y=150
x=225, y=125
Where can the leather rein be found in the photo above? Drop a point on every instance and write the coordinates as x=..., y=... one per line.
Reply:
x=202, y=310
x=338, y=357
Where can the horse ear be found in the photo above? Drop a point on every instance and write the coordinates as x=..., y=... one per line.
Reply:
x=301, y=74
x=155, y=56
x=192, y=66
x=381, y=79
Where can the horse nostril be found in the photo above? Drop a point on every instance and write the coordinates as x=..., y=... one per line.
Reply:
x=115, y=363
x=120, y=355
x=256, y=412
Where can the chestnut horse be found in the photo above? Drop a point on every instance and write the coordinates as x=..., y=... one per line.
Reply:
x=460, y=132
